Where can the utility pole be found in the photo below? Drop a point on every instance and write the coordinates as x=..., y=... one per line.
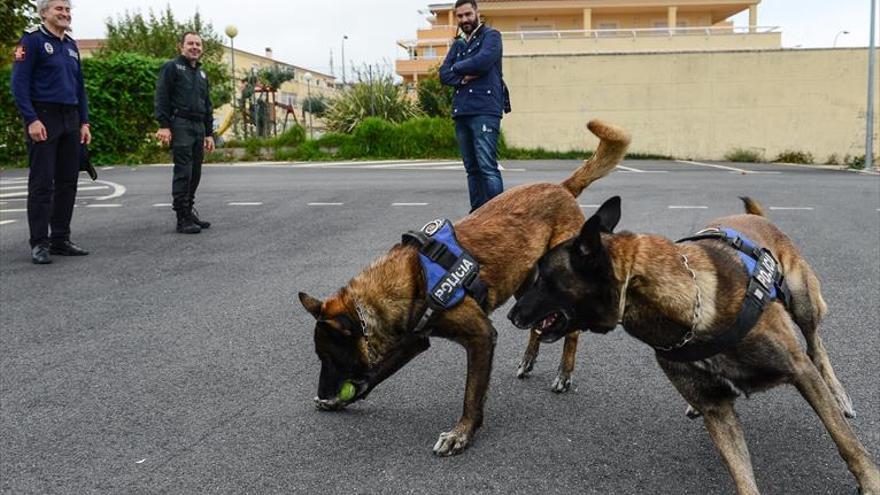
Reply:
x=344, y=37
x=869, y=131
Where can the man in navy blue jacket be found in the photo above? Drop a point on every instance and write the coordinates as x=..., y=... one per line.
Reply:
x=48, y=88
x=473, y=68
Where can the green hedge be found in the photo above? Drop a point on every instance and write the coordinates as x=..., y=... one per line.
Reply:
x=120, y=89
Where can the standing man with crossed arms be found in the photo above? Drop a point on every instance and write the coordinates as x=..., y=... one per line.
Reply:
x=48, y=88
x=473, y=68
x=186, y=123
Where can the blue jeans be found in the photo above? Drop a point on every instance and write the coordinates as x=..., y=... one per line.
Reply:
x=478, y=141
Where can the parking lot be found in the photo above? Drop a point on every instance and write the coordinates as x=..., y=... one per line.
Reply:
x=184, y=363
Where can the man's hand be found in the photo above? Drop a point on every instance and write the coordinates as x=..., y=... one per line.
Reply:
x=468, y=78
x=37, y=131
x=164, y=136
x=209, y=144
x=85, y=134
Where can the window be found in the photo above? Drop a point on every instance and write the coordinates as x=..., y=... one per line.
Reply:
x=429, y=52
x=608, y=29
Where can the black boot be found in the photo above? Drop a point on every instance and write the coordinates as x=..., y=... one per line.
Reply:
x=185, y=224
x=198, y=221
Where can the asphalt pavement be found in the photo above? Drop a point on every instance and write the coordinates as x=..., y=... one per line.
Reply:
x=168, y=363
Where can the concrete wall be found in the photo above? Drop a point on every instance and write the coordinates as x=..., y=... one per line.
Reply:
x=694, y=105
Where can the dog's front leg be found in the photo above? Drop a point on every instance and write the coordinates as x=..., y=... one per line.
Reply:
x=480, y=347
x=727, y=434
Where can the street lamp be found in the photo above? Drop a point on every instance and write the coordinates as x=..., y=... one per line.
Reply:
x=232, y=32
x=837, y=36
x=344, y=37
x=308, y=77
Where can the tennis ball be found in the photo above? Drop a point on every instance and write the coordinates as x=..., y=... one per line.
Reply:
x=346, y=391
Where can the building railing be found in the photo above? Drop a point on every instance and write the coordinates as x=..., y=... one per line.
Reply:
x=635, y=33
x=641, y=32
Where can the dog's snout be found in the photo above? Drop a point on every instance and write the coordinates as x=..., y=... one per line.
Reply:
x=514, y=317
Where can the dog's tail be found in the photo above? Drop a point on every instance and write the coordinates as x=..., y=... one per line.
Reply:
x=613, y=142
x=753, y=207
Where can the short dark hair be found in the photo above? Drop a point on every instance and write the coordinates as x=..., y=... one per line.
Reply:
x=184, y=35
x=459, y=3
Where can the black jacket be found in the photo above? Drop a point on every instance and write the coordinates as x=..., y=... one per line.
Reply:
x=182, y=91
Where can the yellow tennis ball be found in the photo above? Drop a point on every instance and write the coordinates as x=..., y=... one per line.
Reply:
x=347, y=391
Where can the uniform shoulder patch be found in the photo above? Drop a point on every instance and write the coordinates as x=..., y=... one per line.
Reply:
x=19, y=53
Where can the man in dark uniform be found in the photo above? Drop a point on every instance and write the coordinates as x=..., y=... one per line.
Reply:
x=47, y=84
x=473, y=68
x=185, y=115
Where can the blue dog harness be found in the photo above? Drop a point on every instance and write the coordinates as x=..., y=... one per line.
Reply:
x=766, y=284
x=450, y=271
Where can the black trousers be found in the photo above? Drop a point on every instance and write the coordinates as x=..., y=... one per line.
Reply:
x=54, y=172
x=188, y=151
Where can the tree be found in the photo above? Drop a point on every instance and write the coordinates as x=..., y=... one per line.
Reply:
x=15, y=16
x=159, y=37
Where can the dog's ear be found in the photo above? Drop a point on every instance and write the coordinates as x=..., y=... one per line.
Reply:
x=312, y=305
x=609, y=214
x=340, y=324
x=589, y=241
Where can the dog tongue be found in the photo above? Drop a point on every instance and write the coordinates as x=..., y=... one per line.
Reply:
x=548, y=321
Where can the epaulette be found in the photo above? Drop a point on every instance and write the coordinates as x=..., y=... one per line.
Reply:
x=32, y=29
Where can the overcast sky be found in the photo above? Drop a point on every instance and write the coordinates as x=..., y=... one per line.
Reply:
x=304, y=32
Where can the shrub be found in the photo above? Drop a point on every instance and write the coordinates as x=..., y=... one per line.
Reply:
x=858, y=162
x=435, y=99
x=832, y=159
x=744, y=155
x=120, y=89
x=380, y=98
x=791, y=156
x=293, y=136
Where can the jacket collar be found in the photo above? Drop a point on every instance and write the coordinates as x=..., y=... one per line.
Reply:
x=45, y=30
x=476, y=34
x=183, y=60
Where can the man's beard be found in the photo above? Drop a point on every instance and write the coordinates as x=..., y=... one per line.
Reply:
x=469, y=27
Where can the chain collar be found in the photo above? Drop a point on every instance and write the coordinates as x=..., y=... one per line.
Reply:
x=361, y=314
x=698, y=306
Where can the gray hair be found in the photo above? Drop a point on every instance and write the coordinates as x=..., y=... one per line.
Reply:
x=43, y=5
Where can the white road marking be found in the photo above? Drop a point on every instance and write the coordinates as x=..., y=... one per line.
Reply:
x=15, y=210
x=791, y=207
x=411, y=164
x=234, y=203
x=409, y=204
x=108, y=168
x=17, y=180
x=685, y=207
x=326, y=204
x=589, y=206
x=10, y=188
x=631, y=169
x=162, y=204
x=118, y=190
x=7, y=222
x=104, y=205
x=731, y=169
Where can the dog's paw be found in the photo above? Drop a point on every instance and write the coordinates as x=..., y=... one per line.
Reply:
x=561, y=384
x=451, y=443
x=525, y=367
x=329, y=404
x=845, y=404
x=692, y=412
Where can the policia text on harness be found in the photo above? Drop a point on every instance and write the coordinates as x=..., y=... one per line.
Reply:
x=766, y=284
x=450, y=271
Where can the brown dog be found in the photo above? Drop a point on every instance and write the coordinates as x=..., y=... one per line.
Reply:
x=678, y=297
x=364, y=331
